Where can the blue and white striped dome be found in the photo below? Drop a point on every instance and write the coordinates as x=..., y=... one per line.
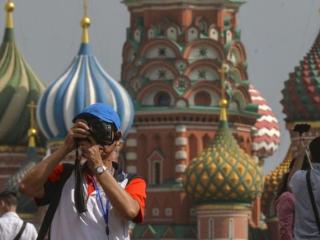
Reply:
x=84, y=83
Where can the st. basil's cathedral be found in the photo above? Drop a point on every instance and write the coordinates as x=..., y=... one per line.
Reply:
x=194, y=125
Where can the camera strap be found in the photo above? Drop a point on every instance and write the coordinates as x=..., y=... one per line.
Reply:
x=105, y=210
x=79, y=194
x=313, y=202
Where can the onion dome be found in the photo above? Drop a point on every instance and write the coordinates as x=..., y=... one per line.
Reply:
x=266, y=136
x=301, y=94
x=19, y=86
x=272, y=182
x=83, y=83
x=223, y=172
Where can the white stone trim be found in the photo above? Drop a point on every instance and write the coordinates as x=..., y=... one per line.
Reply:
x=132, y=142
x=231, y=228
x=181, y=128
x=168, y=212
x=155, y=212
x=132, y=169
x=156, y=127
x=243, y=129
x=140, y=6
x=182, y=154
x=131, y=156
x=132, y=130
x=181, y=141
x=180, y=168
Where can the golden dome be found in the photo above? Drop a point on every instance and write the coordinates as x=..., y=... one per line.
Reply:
x=85, y=22
x=223, y=172
x=9, y=7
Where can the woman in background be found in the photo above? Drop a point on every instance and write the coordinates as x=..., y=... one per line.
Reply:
x=284, y=204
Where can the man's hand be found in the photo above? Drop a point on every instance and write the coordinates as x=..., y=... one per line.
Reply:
x=78, y=132
x=92, y=152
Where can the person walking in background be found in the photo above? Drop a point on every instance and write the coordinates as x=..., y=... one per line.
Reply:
x=12, y=227
x=285, y=205
x=307, y=196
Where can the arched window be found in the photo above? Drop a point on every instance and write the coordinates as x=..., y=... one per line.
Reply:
x=205, y=141
x=156, y=172
x=202, y=98
x=162, y=99
x=155, y=167
x=193, y=147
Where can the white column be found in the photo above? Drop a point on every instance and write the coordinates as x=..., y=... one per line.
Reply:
x=181, y=154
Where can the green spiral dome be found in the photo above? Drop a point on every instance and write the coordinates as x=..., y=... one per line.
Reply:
x=19, y=87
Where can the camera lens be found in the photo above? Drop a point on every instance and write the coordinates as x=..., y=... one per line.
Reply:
x=102, y=131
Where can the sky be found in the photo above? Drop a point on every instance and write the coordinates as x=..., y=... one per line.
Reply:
x=276, y=35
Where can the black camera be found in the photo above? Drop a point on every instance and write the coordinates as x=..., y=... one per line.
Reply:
x=104, y=133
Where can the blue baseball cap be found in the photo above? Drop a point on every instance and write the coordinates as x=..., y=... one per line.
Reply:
x=102, y=111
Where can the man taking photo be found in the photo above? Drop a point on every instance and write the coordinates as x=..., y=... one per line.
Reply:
x=98, y=199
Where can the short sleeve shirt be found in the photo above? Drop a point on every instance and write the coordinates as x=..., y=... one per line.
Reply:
x=10, y=225
x=67, y=224
x=305, y=226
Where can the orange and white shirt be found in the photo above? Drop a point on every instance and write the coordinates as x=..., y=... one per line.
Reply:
x=68, y=224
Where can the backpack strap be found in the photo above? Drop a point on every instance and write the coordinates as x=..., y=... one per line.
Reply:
x=46, y=223
x=313, y=202
x=23, y=226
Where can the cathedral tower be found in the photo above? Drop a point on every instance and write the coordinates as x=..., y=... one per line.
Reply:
x=171, y=58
